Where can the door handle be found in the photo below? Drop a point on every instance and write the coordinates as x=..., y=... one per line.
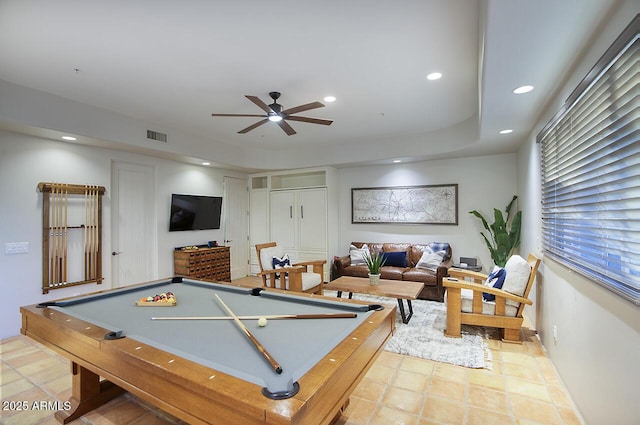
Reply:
x=301, y=211
x=116, y=252
x=290, y=211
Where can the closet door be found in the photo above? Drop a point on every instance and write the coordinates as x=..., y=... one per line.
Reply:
x=283, y=229
x=312, y=219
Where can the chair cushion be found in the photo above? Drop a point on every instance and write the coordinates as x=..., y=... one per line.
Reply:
x=518, y=272
x=309, y=280
x=267, y=254
x=357, y=255
x=488, y=307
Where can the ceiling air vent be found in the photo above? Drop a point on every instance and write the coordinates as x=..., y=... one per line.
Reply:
x=157, y=136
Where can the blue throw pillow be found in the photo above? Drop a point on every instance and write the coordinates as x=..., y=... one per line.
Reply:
x=396, y=259
x=495, y=279
x=278, y=263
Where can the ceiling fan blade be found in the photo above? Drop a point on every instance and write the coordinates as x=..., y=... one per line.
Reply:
x=287, y=128
x=310, y=120
x=237, y=115
x=259, y=102
x=252, y=126
x=301, y=108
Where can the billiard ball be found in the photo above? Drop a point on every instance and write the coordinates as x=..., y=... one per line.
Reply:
x=262, y=322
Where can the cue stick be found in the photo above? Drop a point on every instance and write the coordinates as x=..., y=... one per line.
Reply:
x=96, y=240
x=274, y=364
x=52, y=256
x=66, y=234
x=270, y=317
x=86, y=230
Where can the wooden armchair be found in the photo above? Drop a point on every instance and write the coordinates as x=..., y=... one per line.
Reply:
x=296, y=278
x=465, y=303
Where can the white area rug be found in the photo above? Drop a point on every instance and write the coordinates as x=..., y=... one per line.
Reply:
x=424, y=337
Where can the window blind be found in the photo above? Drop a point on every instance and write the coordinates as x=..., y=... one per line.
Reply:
x=591, y=173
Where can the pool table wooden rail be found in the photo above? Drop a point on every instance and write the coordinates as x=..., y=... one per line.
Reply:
x=196, y=393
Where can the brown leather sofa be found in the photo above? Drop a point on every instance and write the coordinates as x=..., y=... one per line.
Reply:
x=433, y=289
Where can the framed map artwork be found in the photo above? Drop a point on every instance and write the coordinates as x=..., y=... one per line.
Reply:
x=433, y=204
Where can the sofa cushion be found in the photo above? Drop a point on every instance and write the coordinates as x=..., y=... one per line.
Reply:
x=428, y=277
x=397, y=259
x=356, y=271
x=392, y=273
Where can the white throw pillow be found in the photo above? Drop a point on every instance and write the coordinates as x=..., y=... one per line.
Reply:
x=358, y=254
x=430, y=260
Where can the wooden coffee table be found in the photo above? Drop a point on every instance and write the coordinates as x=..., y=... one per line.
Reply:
x=399, y=289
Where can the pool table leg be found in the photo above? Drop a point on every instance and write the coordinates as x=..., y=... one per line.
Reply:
x=87, y=393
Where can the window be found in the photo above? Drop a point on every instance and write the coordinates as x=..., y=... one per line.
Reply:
x=591, y=173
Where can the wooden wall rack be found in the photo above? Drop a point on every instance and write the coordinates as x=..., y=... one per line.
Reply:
x=55, y=234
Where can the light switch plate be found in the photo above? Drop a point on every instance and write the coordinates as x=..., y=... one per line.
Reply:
x=16, y=248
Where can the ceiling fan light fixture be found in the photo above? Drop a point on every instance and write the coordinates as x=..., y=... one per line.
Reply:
x=275, y=117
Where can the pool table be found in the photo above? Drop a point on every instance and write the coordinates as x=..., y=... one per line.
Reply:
x=205, y=370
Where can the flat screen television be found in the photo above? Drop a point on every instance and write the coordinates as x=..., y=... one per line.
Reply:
x=194, y=212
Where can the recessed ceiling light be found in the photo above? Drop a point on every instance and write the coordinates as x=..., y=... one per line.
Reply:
x=206, y=163
x=434, y=76
x=523, y=89
x=330, y=99
x=506, y=131
x=395, y=161
x=71, y=138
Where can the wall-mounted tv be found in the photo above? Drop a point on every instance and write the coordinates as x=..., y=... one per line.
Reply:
x=194, y=212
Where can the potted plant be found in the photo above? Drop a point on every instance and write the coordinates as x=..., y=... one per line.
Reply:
x=374, y=264
x=505, y=233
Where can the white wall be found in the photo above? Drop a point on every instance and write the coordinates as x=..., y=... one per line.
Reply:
x=25, y=161
x=598, y=345
x=483, y=183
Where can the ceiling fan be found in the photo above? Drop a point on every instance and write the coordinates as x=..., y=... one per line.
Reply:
x=275, y=113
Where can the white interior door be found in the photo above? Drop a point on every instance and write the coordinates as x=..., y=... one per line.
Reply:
x=236, y=225
x=133, y=239
x=283, y=212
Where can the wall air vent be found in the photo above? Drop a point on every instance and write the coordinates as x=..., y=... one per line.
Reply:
x=157, y=136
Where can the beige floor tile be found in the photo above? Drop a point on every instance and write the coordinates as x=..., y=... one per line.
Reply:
x=525, y=408
x=529, y=373
x=405, y=400
x=488, y=399
x=381, y=373
x=477, y=416
x=370, y=390
x=8, y=375
x=16, y=387
x=421, y=366
x=443, y=410
x=390, y=359
x=451, y=372
x=410, y=381
x=528, y=389
x=359, y=412
x=388, y=416
x=117, y=411
x=570, y=416
x=448, y=389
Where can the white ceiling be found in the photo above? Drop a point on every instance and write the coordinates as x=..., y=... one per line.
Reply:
x=173, y=63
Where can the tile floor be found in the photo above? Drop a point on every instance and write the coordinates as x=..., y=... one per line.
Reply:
x=522, y=388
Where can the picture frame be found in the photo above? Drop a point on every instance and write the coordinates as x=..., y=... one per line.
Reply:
x=425, y=204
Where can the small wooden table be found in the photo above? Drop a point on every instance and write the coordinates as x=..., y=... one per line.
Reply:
x=399, y=289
